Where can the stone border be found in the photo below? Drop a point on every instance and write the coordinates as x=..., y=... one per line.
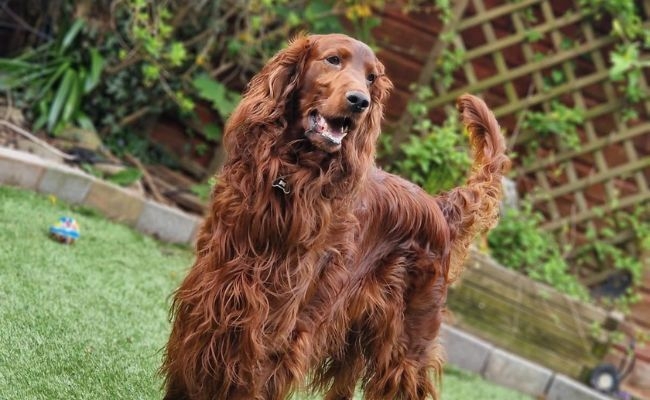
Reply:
x=470, y=353
x=465, y=351
x=28, y=171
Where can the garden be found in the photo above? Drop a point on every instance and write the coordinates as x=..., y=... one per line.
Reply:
x=136, y=93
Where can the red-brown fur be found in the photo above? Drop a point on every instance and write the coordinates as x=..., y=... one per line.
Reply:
x=342, y=281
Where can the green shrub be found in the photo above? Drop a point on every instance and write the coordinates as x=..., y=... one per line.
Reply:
x=437, y=161
x=435, y=157
x=603, y=251
x=519, y=243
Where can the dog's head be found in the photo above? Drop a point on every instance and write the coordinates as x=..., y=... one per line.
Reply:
x=329, y=89
x=343, y=87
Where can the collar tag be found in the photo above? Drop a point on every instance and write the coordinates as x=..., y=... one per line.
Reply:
x=281, y=184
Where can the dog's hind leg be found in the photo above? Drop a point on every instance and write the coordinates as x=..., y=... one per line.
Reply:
x=175, y=391
x=343, y=371
x=404, y=359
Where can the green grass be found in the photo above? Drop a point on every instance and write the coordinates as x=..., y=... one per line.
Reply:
x=88, y=320
x=462, y=385
x=85, y=321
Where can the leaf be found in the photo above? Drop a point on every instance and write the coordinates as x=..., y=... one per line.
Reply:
x=623, y=59
x=30, y=79
x=36, y=53
x=557, y=76
x=212, y=132
x=19, y=74
x=619, y=65
x=177, y=54
x=16, y=66
x=214, y=91
x=83, y=121
x=202, y=190
x=318, y=14
x=60, y=98
x=125, y=177
x=71, y=105
x=96, y=66
x=71, y=34
x=40, y=122
x=209, y=88
x=59, y=72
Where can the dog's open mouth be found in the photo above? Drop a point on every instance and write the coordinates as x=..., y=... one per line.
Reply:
x=332, y=130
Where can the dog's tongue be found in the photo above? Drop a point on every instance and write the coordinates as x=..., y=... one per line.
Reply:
x=320, y=125
x=333, y=133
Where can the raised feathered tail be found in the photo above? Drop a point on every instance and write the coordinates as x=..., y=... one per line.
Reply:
x=474, y=208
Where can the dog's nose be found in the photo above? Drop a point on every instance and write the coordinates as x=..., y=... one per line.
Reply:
x=357, y=101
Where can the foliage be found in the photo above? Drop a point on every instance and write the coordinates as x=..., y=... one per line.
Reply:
x=626, y=62
x=627, y=69
x=204, y=190
x=601, y=249
x=434, y=157
x=518, y=242
x=126, y=177
x=627, y=22
x=54, y=79
x=168, y=56
x=560, y=122
x=450, y=60
x=219, y=96
x=164, y=58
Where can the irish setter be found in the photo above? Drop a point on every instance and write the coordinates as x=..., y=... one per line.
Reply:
x=316, y=270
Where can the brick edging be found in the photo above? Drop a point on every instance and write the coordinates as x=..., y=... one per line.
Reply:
x=470, y=353
x=25, y=170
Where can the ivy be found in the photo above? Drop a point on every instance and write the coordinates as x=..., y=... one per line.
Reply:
x=627, y=63
x=627, y=70
x=561, y=122
x=450, y=60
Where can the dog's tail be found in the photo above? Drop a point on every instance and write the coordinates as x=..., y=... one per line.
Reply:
x=474, y=208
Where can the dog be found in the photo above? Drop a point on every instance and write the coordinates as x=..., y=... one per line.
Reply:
x=315, y=269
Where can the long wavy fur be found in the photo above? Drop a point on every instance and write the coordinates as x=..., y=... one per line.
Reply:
x=343, y=280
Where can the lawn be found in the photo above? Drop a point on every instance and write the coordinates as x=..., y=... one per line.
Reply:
x=88, y=320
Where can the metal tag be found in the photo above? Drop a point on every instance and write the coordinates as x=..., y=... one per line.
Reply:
x=282, y=184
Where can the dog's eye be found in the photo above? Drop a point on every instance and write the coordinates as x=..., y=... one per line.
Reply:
x=371, y=78
x=334, y=60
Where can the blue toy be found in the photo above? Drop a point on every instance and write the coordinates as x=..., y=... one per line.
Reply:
x=65, y=231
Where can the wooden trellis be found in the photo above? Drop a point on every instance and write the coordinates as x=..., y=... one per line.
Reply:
x=511, y=51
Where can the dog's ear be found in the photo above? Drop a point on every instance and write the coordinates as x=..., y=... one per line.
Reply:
x=382, y=87
x=285, y=70
x=268, y=95
x=379, y=91
x=282, y=74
